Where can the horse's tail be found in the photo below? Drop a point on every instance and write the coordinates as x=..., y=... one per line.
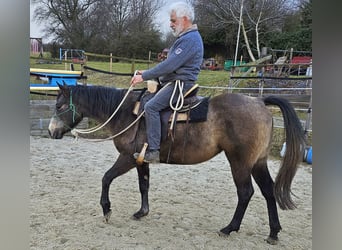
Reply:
x=295, y=144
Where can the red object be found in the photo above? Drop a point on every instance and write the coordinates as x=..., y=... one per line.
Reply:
x=301, y=59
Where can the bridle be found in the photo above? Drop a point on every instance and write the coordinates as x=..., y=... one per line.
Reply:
x=71, y=108
x=76, y=132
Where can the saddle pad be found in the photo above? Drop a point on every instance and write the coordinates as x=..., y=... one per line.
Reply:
x=198, y=113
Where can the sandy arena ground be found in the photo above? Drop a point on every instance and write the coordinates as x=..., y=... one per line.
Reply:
x=188, y=204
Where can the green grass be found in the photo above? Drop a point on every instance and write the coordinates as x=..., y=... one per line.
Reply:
x=206, y=77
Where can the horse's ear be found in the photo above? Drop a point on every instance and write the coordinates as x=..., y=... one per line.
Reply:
x=64, y=89
x=60, y=86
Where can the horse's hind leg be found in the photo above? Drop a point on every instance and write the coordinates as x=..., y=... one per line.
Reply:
x=263, y=178
x=144, y=184
x=123, y=164
x=243, y=182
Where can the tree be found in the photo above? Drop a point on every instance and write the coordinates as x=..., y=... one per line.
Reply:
x=123, y=27
x=306, y=13
x=67, y=20
x=127, y=28
x=216, y=32
x=296, y=33
x=258, y=18
x=142, y=34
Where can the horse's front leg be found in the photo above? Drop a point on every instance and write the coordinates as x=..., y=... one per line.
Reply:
x=122, y=165
x=144, y=184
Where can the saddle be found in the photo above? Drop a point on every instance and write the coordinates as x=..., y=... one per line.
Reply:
x=194, y=109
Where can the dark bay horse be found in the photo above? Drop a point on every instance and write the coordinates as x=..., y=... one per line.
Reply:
x=239, y=125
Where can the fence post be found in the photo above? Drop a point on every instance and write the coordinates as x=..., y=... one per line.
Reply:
x=111, y=62
x=230, y=84
x=149, y=59
x=133, y=67
x=66, y=58
x=308, y=119
x=261, y=87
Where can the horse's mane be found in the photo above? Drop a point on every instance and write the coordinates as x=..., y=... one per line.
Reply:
x=98, y=98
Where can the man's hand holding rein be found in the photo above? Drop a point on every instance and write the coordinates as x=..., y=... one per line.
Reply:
x=137, y=78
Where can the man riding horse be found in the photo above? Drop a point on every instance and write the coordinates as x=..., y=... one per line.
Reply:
x=183, y=64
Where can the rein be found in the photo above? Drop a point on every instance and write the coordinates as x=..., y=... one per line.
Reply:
x=111, y=137
x=98, y=127
x=178, y=85
x=76, y=132
x=179, y=104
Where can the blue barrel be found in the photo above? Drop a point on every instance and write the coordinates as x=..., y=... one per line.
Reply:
x=309, y=156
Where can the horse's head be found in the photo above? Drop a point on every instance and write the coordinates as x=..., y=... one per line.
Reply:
x=66, y=116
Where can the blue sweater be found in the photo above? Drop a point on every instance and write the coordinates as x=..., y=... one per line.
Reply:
x=183, y=61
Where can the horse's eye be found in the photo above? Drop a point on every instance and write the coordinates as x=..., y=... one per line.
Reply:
x=60, y=106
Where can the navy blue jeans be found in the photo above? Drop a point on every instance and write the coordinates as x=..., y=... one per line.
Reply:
x=152, y=112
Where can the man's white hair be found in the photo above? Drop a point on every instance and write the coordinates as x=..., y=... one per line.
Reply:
x=182, y=9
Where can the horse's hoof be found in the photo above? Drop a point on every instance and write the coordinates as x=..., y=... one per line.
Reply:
x=222, y=234
x=139, y=214
x=272, y=241
x=106, y=217
x=227, y=230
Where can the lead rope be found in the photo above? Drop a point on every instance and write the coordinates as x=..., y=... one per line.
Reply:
x=92, y=130
x=75, y=132
x=113, y=136
x=179, y=104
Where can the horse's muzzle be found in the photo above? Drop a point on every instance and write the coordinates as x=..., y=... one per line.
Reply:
x=56, y=128
x=56, y=134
